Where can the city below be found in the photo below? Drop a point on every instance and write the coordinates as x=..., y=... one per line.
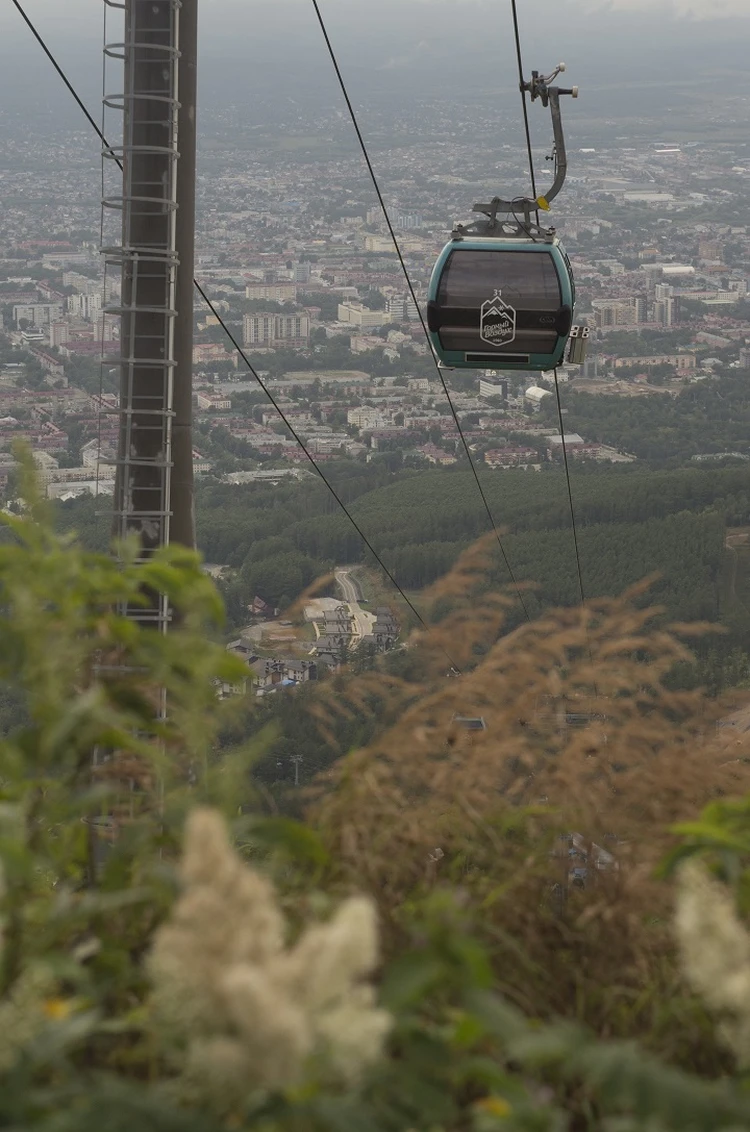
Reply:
x=313, y=290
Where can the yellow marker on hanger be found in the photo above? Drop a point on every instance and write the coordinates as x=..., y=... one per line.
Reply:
x=543, y=203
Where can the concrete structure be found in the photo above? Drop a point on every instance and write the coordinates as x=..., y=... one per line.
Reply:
x=534, y=395
x=360, y=316
x=436, y=455
x=679, y=361
x=86, y=307
x=511, y=456
x=361, y=343
x=65, y=491
x=665, y=311
x=378, y=244
x=572, y=440
x=280, y=292
x=213, y=401
x=366, y=417
x=212, y=352
x=301, y=272
x=402, y=308
x=628, y=311
x=53, y=365
x=59, y=333
x=37, y=314
x=266, y=475
x=648, y=197
x=332, y=443
x=258, y=330
x=676, y=270
x=408, y=220
x=493, y=387
x=268, y=330
x=292, y=329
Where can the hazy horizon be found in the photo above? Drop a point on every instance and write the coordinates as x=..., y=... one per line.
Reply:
x=627, y=56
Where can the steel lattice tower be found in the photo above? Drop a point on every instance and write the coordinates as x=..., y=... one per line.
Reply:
x=148, y=261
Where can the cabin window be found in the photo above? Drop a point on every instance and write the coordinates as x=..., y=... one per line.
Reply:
x=529, y=287
x=526, y=280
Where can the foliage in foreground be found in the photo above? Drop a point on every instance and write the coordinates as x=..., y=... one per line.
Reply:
x=144, y=988
x=583, y=733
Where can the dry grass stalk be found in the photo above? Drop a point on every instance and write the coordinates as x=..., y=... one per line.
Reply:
x=495, y=801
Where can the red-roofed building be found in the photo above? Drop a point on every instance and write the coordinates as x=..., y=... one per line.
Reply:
x=511, y=456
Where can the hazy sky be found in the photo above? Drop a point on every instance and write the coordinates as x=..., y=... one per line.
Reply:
x=75, y=15
x=401, y=48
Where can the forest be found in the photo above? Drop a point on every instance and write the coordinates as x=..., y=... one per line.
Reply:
x=631, y=523
x=711, y=416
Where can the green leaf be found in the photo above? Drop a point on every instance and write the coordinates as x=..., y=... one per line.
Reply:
x=297, y=841
x=407, y=979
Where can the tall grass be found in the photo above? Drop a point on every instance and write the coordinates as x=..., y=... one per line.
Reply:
x=583, y=732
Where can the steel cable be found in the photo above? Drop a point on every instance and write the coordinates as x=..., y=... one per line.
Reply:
x=251, y=369
x=412, y=292
x=524, y=106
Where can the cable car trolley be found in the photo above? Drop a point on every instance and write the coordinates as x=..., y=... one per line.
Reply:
x=502, y=293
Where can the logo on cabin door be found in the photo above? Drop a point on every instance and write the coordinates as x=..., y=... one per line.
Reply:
x=497, y=321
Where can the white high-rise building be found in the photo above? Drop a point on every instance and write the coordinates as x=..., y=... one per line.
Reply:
x=86, y=307
x=665, y=311
x=402, y=308
x=291, y=329
x=59, y=334
x=269, y=331
x=107, y=327
x=409, y=220
x=282, y=291
x=258, y=330
x=620, y=312
x=366, y=416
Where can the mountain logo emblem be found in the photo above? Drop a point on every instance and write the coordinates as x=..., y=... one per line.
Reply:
x=497, y=321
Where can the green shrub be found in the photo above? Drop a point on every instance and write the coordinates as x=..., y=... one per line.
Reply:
x=141, y=991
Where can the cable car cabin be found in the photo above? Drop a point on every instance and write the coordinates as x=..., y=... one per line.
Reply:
x=501, y=304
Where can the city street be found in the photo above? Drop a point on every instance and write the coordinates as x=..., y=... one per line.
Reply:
x=361, y=618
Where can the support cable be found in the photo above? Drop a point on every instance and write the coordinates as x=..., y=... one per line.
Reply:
x=63, y=76
x=573, y=527
x=557, y=384
x=312, y=460
x=99, y=132
x=524, y=104
x=412, y=292
x=570, y=491
x=99, y=408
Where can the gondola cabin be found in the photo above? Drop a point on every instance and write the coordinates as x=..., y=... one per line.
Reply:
x=500, y=303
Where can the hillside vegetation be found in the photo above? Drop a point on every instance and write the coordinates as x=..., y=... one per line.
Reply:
x=631, y=523
x=431, y=947
x=710, y=416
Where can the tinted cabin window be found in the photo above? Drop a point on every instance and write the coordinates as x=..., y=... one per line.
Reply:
x=527, y=282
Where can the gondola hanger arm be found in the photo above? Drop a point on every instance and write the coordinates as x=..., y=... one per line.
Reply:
x=538, y=87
